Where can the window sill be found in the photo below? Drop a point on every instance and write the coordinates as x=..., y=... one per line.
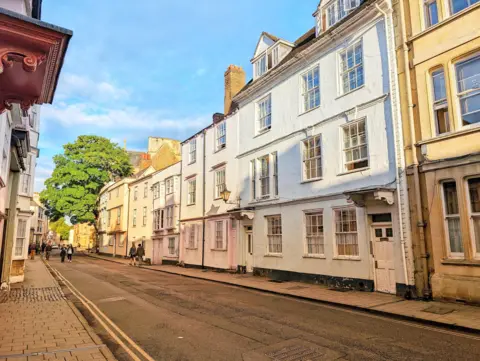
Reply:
x=350, y=92
x=273, y=255
x=219, y=150
x=190, y=163
x=189, y=205
x=453, y=134
x=218, y=250
x=311, y=180
x=260, y=133
x=171, y=256
x=264, y=200
x=461, y=262
x=347, y=258
x=353, y=171
x=191, y=249
x=309, y=110
x=314, y=256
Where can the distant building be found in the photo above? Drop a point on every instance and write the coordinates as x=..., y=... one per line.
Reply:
x=38, y=221
x=84, y=236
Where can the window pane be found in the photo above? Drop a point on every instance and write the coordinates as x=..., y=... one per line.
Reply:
x=474, y=190
x=455, y=235
x=439, y=91
x=470, y=104
x=451, y=200
x=431, y=13
x=468, y=74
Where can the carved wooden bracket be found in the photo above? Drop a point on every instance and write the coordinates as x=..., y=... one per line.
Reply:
x=29, y=61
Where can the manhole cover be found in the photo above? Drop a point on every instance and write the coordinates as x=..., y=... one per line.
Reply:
x=295, y=353
x=19, y=295
x=438, y=310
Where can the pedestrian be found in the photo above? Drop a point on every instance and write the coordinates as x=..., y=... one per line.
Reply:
x=69, y=252
x=140, y=254
x=44, y=245
x=132, y=253
x=32, y=249
x=48, y=250
x=63, y=253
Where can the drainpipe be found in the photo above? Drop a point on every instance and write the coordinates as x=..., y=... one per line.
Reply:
x=203, y=197
x=398, y=156
x=180, y=243
x=128, y=217
x=420, y=221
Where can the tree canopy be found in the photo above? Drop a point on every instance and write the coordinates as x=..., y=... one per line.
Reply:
x=61, y=228
x=80, y=173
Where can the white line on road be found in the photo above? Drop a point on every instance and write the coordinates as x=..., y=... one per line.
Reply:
x=87, y=303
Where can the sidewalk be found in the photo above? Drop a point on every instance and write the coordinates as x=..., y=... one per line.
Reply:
x=443, y=314
x=38, y=323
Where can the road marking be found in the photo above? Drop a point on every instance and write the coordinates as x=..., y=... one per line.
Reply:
x=111, y=299
x=87, y=303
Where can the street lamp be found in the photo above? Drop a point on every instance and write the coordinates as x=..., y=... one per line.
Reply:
x=225, y=195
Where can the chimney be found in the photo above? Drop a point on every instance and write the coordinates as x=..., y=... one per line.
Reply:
x=234, y=82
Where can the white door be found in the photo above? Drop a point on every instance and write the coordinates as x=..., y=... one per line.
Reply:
x=157, y=252
x=384, y=258
x=249, y=248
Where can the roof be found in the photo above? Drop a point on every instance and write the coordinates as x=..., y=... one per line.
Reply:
x=273, y=37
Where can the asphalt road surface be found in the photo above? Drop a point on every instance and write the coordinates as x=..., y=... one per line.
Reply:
x=177, y=318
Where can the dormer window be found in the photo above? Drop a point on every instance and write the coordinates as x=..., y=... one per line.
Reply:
x=269, y=59
x=333, y=12
x=261, y=66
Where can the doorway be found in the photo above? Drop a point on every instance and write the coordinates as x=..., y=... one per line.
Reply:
x=383, y=246
x=157, y=253
x=249, y=248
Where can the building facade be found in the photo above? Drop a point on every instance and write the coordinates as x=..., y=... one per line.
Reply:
x=140, y=210
x=439, y=64
x=321, y=155
x=83, y=236
x=166, y=215
x=38, y=222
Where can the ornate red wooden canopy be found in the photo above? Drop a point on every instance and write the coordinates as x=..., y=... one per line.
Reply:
x=31, y=57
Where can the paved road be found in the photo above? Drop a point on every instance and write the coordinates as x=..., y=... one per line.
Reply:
x=177, y=318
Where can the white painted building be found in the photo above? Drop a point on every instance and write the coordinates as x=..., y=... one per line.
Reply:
x=166, y=215
x=320, y=155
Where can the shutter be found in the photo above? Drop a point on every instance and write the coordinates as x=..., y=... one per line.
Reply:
x=225, y=233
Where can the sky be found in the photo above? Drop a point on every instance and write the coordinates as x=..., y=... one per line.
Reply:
x=144, y=68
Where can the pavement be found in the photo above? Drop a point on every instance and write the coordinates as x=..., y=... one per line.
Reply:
x=176, y=318
x=443, y=314
x=38, y=323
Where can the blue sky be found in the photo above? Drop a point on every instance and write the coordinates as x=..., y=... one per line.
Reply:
x=153, y=67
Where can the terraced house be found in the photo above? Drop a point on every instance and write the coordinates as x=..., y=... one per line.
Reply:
x=439, y=63
x=320, y=154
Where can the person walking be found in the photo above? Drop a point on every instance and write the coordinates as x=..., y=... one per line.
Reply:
x=132, y=253
x=69, y=252
x=140, y=254
x=63, y=253
x=48, y=250
x=32, y=248
x=44, y=245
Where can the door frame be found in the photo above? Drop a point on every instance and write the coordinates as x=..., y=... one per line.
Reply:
x=372, y=240
x=248, y=232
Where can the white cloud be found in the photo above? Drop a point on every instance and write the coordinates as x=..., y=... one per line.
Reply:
x=73, y=85
x=43, y=171
x=128, y=118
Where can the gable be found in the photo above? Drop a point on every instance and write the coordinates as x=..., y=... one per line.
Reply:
x=263, y=44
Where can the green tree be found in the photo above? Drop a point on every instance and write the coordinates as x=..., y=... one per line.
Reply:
x=61, y=228
x=80, y=173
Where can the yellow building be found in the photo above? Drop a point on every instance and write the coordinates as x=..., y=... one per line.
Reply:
x=438, y=56
x=83, y=236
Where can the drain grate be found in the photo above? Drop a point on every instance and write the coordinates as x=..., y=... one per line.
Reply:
x=19, y=295
x=295, y=353
x=438, y=310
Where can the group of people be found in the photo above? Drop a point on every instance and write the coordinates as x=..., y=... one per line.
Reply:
x=46, y=249
x=136, y=254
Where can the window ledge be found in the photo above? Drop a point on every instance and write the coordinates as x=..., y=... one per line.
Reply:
x=309, y=110
x=463, y=131
x=461, y=262
x=260, y=133
x=314, y=256
x=189, y=205
x=347, y=258
x=191, y=249
x=218, y=250
x=311, y=180
x=273, y=255
x=190, y=163
x=265, y=200
x=351, y=91
x=171, y=256
x=353, y=171
x=219, y=150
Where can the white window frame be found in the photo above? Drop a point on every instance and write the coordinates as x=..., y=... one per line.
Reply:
x=309, y=159
x=334, y=12
x=350, y=5
x=275, y=173
x=118, y=216
x=427, y=14
x=192, y=151
x=169, y=217
x=264, y=177
x=220, y=136
x=156, y=190
x=472, y=217
x=192, y=237
x=446, y=217
x=261, y=69
x=466, y=93
x=219, y=236
x=21, y=237
x=169, y=186
x=144, y=215
x=171, y=248
x=341, y=233
x=441, y=103
x=134, y=218
x=192, y=191
x=450, y=3
x=145, y=190
x=346, y=70
x=308, y=92
x=219, y=185
x=275, y=55
x=253, y=177
x=275, y=243
x=357, y=147
x=312, y=235
x=264, y=114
